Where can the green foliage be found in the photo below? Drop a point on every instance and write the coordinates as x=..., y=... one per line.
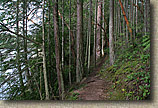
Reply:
x=146, y=42
x=130, y=74
x=73, y=96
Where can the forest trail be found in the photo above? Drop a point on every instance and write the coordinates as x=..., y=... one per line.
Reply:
x=95, y=87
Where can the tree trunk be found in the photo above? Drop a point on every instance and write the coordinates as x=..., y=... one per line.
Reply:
x=127, y=40
x=103, y=34
x=119, y=20
x=79, y=37
x=99, y=14
x=136, y=16
x=95, y=32
x=86, y=37
x=62, y=52
x=145, y=17
x=57, y=53
x=148, y=16
x=70, y=43
x=44, y=55
x=49, y=44
x=134, y=10
x=124, y=27
x=25, y=43
x=127, y=22
x=111, y=32
x=90, y=33
x=62, y=58
x=18, y=46
x=131, y=18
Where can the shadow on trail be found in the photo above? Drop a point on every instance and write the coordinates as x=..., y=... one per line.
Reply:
x=95, y=87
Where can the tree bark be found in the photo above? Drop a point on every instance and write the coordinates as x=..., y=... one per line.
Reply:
x=131, y=18
x=111, y=32
x=18, y=46
x=136, y=16
x=124, y=27
x=98, y=44
x=57, y=53
x=127, y=40
x=79, y=37
x=62, y=52
x=148, y=16
x=124, y=14
x=44, y=56
x=145, y=17
x=134, y=11
x=86, y=37
x=49, y=44
x=90, y=33
x=95, y=32
x=119, y=21
x=103, y=34
x=25, y=43
x=70, y=43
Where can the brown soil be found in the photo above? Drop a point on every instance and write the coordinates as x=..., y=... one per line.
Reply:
x=95, y=87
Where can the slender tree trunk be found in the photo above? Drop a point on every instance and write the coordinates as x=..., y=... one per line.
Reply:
x=111, y=32
x=49, y=44
x=148, y=15
x=136, y=16
x=103, y=34
x=119, y=20
x=70, y=43
x=120, y=26
x=131, y=17
x=145, y=17
x=1, y=66
x=90, y=33
x=57, y=53
x=62, y=58
x=95, y=32
x=116, y=23
x=87, y=39
x=98, y=44
x=18, y=46
x=124, y=26
x=79, y=37
x=134, y=11
x=25, y=42
x=40, y=79
x=44, y=56
x=62, y=52
x=72, y=39
x=127, y=22
x=127, y=40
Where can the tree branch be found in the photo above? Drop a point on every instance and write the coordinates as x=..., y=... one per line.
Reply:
x=138, y=8
x=33, y=22
x=124, y=14
x=72, y=38
x=7, y=29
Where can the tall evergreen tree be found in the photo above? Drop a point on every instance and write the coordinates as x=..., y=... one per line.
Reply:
x=111, y=32
x=79, y=38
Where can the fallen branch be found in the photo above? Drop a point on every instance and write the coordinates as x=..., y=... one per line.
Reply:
x=124, y=14
x=71, y=34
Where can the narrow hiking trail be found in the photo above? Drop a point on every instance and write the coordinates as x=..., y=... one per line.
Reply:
x=95, y=87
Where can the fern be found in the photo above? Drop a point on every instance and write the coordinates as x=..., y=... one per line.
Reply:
x=146, y=42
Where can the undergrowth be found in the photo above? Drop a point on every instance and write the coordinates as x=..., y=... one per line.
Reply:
x=130, y=75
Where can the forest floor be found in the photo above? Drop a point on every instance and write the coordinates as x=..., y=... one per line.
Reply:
x=96, y=88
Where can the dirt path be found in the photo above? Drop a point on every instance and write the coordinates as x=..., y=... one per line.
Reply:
x=95, y=87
